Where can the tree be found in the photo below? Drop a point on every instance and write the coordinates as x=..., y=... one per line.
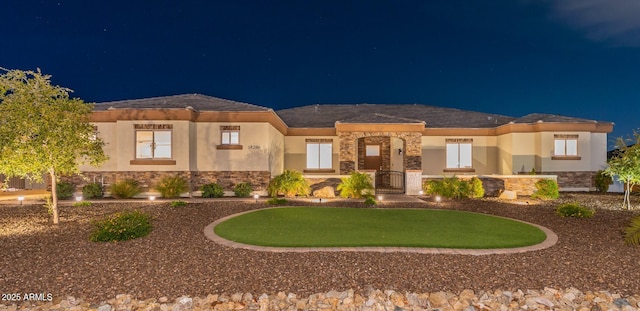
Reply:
x=626, y=165
x=43, y=131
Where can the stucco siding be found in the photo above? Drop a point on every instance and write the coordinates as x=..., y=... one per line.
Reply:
x=484, y=155
x=549, y=164
x=295, y=153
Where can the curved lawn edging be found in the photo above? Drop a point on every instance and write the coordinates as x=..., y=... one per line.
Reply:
x=551, y=239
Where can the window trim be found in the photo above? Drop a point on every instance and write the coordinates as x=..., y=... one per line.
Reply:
x=459, y=142
x=153, y=128
x=318, y=142
x=229, y=129
x=565, y=138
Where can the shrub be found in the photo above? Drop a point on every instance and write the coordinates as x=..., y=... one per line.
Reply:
x=65, y=190
x=172, y=186
x=92, y=190
x=632, y=232
x=82, y=203
x=547, y=190
x=242, y=190
x=357, y=185
x=277, y=201
x=476, y=190
x=370, y=200
x=603, y=181
x=450, y=187
x=290, y=183
x=121, y=227
x=125, y=189
x=574, y=210
x=178, y=203
x=212, y=190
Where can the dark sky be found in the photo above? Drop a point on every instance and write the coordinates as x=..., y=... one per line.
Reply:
x=578, y=58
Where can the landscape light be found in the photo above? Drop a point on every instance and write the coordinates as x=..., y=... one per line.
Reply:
x=438, y=199
x=152, y=198
x=78, y=198
x=421, y=192
x=255, y=196
x=380, y=198
x=20, y=199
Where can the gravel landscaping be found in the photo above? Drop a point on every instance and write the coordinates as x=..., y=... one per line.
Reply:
x=176, y=259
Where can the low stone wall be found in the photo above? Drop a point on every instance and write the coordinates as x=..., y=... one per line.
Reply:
x=148, y=179
x=494, y=184
x=546, y=299
x=575, y=180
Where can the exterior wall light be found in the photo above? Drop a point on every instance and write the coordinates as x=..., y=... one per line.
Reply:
x=400, y=151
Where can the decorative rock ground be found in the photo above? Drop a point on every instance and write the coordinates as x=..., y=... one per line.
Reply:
x=466, y=300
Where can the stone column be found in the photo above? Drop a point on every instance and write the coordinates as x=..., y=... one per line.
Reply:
x=413, y=182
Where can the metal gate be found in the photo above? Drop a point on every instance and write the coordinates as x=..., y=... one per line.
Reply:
x=390, y=182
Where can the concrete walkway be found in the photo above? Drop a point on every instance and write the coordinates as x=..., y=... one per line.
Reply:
x=551, y=240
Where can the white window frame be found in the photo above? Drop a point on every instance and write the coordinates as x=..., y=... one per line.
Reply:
x=319, y=155
x=154, y=144
x=565, y=145
x=456, y=156
x=230, y=137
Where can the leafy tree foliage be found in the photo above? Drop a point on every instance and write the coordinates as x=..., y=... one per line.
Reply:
x=626, y=165
x=43, y=131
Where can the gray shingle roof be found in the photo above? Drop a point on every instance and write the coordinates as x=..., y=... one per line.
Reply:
x=195, y=101
x=434, y=117
x=536, y=117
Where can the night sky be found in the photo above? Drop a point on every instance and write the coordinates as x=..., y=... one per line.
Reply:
x=578, y=58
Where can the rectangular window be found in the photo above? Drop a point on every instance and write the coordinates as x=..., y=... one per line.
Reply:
x=372, y=150
x=319, y=155
x=230, y=134
x=152, y=144
x=459, y=153
x=565, y=145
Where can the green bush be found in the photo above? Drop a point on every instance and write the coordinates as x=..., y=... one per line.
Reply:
x=357, y=185
x=125, y=189
x=92, y=190
x=476, y=190
x=242, y=190
x=370, y=200
x=453, y=188
x=212, y=190
x=574, y=210
x=178, y=203
x=65, y=190
x=632, y=232
x=82, y=203
x=121, y=227
x=290, y=183
x=547, y=190
x=172, y=186
x=603, y=181
x=277, y=201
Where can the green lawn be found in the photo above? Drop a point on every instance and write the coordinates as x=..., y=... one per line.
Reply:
x=332, y=227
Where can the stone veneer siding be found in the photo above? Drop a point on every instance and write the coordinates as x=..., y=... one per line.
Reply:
x=494, y=185
x=575, y=179
x=348, y=148
x=147, y=179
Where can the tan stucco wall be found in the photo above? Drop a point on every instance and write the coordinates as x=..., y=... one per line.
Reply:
x=257, y=140
x=484, y=154
x=295, y=152
x=194, y=147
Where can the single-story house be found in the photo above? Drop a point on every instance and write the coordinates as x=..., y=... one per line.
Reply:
x=208, y=139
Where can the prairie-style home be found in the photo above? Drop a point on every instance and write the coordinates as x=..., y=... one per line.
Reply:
x=207, y=139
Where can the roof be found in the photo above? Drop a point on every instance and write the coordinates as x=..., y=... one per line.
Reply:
x=541, y=117
x=195, y=101
x=326, y=115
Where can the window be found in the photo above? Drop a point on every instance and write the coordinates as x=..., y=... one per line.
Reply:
x=319, y=154
x=230, y=135
x=372, y=150
x=153, y=144
x=565, y=146
x=459, y=153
